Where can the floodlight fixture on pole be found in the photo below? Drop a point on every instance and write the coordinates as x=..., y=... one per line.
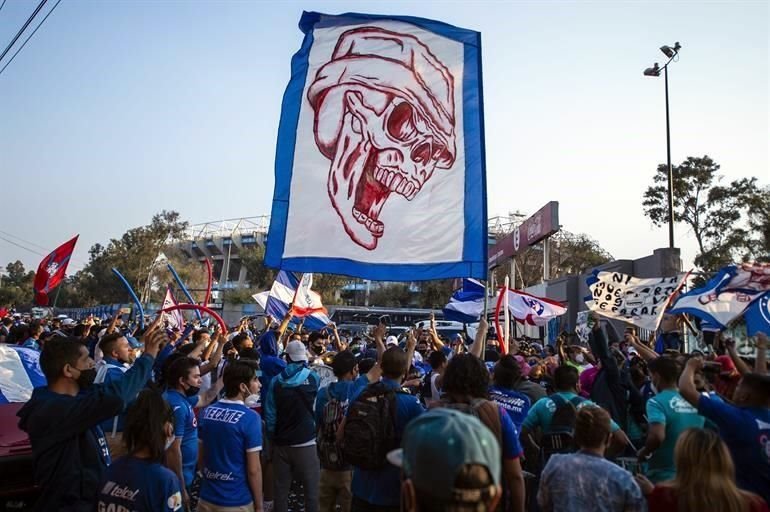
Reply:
x=671, y=52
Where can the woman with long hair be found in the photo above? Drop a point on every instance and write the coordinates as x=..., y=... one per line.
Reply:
x=705, y=479
x=139, y=481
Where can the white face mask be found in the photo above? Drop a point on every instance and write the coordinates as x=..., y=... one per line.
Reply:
x=580, y=359
x=169, y=442
x=252, y=401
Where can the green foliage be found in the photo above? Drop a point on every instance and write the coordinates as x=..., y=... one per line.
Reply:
x=570, y=254
x=253, y=259
x=328, y=286
x=134, y=256
x=240, y=295
x=729, y=222
x=434, y=294
x=392, y=295
x=16, y=285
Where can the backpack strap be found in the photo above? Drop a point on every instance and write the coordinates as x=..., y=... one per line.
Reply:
x=576, y=401
x=558, y=400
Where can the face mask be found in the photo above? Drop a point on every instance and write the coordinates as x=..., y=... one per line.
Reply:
x=251, y=401
x=192, y=391
x=580, y=359
x=86, y=378
x=168, y=444
x=318, y=349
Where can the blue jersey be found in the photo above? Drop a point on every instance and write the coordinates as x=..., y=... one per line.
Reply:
x=186, y=429
x=511, y=447
x=228, y=430
x=746, y=432
x=139, y=485
x=515, y=403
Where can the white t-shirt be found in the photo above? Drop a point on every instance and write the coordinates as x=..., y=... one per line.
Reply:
x=435, y=393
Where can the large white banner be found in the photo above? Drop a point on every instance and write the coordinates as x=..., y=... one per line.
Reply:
x=374, y=175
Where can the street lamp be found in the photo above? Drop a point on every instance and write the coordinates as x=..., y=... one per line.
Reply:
x=671, y=53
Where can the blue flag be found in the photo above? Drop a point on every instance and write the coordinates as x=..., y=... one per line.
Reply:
x=757, y=316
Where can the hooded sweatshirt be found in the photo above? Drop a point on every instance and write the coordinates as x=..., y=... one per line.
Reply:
x=68, y=447
x=269, y=362
x=288, y=406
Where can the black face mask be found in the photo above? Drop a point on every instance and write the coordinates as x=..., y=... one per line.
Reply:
x=318, y=349
x=86, y=378
x=192, y=391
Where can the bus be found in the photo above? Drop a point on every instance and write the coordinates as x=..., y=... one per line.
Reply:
x=369, y=316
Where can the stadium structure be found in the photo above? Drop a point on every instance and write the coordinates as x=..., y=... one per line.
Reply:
x=222, y=242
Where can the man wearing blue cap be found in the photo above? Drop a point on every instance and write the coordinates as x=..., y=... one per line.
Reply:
x=450, y=461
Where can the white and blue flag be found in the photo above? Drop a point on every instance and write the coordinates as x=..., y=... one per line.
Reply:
x=726, y=296
x=281, y=297
x=380, y=167
x=20, y=372
x=466, y=304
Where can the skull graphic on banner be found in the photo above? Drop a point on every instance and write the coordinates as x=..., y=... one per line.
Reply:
x=384, y=117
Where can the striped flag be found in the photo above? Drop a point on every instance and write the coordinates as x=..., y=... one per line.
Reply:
x=20, y=372
x=175, y=318
x=467, y=303
x=283, y=294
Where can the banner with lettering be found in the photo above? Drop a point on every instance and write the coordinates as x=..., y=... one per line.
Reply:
x=638, y=301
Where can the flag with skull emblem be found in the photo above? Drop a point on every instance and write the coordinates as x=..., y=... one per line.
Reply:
x=379, y=168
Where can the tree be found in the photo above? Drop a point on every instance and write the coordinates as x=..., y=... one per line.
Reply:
x=435, y=294
x=134, y=256
x=392, y=295
x=253, y=259
x=570, y=254
x=16, y=285
x=715, y=213
x=328, y=286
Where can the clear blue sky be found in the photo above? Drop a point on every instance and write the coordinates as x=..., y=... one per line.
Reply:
x=118, y=109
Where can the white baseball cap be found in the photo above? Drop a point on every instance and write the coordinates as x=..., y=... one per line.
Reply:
x=391, y=340
x=296, y=351
x=67, y=322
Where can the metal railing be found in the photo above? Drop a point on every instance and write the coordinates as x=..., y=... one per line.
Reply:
x=228, y=228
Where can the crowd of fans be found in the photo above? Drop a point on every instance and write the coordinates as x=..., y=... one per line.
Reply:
x=199, y=419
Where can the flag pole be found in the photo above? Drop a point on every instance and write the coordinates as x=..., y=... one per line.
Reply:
x=486, y=306
x=56, y=298
x=287, y=318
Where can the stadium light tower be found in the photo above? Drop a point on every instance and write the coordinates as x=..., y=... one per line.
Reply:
x=672, y=52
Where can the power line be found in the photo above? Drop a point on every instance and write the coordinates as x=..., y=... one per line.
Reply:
x=30, y=36
x=23, y=28
x=22, y=240
x=2, y=5
x=22, y=247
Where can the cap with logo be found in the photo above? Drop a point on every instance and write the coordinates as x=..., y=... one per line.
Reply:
x=438, y=444
x=391, y=340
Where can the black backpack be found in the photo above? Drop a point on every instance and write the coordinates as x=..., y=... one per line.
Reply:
x=329, y=450
x=559, y=437
x=370, y=428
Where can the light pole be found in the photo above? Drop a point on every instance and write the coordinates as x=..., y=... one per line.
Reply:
x=671, y=53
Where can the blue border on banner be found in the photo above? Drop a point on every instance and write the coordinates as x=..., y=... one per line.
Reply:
x=474, y=257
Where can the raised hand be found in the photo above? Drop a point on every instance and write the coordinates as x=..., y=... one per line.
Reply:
x=153, y=337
